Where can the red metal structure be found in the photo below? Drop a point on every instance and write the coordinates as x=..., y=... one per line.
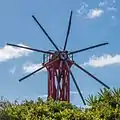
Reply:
x=58, y=78
x=58, y=64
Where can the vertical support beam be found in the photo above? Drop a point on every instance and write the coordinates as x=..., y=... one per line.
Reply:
x=51, y=83
x=66, y=86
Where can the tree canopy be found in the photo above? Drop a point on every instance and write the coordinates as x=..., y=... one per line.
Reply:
x=104, y=106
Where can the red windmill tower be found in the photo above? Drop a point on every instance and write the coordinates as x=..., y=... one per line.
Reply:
x=58, y=64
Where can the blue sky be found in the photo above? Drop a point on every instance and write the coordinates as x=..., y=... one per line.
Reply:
x=93, y=23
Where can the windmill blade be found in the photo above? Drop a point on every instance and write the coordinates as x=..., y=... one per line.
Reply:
x=88, y=48
x=31, y=74
x=75, y=82
x=45, y=33
x=38, y=69
x=91, y=75
x=68, y=31
x=36, y=50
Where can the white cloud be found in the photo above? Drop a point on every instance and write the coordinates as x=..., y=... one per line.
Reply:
x=102, y=4
x=9, y=52
x=103, y=61
x=30, y=67
x=105, y=6
x=75, y=92
x=112, y=9
x=12, y=70
x=113, y=17
x=83, y=8
x=109, y=5
x=43, y=96
x=93, y=13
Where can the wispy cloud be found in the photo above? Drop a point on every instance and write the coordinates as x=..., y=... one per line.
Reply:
x=83, y=8
x=75, y=92
x=104, y=6
x=43, y=96
x=108, y=4
x=71, y=92
x=113, y=17
x=30, y=67
x=112, y=9
x=12, y=70
x=9, y=52
x=103, y=61
x=93, y=13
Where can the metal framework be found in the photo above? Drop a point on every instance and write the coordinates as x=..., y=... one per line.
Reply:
x=58, y=64
x=58, y=78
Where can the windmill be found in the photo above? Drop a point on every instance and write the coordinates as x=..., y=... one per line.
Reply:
x=58, y=64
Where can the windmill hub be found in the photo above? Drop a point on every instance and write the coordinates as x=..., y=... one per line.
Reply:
x=58, y=66
x=63, y=56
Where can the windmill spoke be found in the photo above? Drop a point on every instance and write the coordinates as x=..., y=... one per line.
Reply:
x=91, y=75
x=38, y=69
x=88, y=48
x=75, y=83
x=36, y=50
x=45, y=33
x=68, y=31
x=31, y=74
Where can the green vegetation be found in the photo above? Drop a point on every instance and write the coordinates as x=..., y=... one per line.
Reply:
x=104, y=106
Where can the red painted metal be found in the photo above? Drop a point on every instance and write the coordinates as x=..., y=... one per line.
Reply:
x=58, y=89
